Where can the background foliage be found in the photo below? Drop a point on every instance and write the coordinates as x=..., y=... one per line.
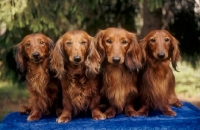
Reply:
x=53, y=18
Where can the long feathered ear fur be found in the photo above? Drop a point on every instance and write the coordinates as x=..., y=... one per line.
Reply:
x=57, y=62
x=20, y=61
x=100, y=49
x=133, y=56
x=175, y=53
x=51, y=45
x=143, y=45
x=92, y=62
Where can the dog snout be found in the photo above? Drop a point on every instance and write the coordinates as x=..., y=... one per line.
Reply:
x=161, y=55
x=36, y=55
x=77, y=58
x=116, y=59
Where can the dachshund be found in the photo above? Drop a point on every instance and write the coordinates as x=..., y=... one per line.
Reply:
x=32, y=58
x=156, y=79
x=120, y=58
x=76, y=63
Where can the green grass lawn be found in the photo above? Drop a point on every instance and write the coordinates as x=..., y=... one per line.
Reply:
x=11, y=97
x=188, y=83
x=187, y=88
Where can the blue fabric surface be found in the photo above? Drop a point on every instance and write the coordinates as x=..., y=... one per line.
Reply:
x=188, y=117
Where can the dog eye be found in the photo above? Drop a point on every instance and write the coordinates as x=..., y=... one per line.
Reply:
x=83, y=42
x=124, y=42
x=152, y=40
x=41, y=42
x=27, y=44
x=109, y=41
x=166, y=39
x=68, y=43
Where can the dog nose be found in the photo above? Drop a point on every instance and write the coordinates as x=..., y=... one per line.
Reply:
x=36, y=55
x=161, y=55
x=77, y=58
x=116, y=59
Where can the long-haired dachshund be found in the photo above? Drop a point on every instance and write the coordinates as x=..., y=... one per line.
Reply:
x=157, y=82
x=32, y=57
x=120, y=58
x=76, y=62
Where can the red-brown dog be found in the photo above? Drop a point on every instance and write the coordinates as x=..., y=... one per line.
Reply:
x=157, y=82
x=32, y=57
x=120, y=57
x=76, y=63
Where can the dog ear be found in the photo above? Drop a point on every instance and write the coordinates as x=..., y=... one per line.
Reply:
x=175, y=56
x=98, y=41
x=133, y=56
x=19, y=57
x=57, y=61
x=92, y=62
x=143, y=47
x=20, y=61
x=51, y=45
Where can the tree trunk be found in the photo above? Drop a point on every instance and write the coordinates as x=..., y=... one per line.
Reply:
x=151, y=19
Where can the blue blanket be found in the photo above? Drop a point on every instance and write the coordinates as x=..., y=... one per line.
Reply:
x=188, y=117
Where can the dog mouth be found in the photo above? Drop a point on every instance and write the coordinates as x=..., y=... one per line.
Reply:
x=76, y=63
x=37, y=60
x=161, y=58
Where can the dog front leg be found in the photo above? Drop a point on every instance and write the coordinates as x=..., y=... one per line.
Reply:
x=129, y=108
x=95, y=110
x=67, y=111
x=143, y=111
x=168, y=111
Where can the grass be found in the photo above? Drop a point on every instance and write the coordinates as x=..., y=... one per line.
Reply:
x=11, y=96
x=187, y=83
x=187, y=89
x=187, y=80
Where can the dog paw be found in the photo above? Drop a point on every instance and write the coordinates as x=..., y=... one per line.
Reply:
x=141, y=113
x=178, y=104
x=99, y=116
x=33, y=117
x=169, y=113
x=63, y=119
x=110, y=114
x=131, y=113
x=25, y=110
